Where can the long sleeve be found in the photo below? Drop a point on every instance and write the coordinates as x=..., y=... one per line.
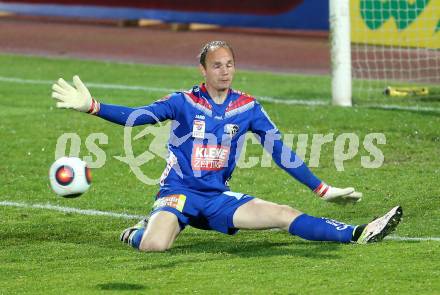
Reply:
x=158, y=111
x=270, y=138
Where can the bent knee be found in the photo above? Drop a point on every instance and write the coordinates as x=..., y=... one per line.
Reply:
x=153, y=246
x=288, y=214
x=287, y=210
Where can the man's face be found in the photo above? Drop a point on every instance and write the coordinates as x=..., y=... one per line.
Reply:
x=219, y=70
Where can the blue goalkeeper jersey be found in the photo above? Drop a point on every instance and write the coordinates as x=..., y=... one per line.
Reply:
x=206, y=138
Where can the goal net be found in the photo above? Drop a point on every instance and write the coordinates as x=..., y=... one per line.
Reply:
x=395, y=48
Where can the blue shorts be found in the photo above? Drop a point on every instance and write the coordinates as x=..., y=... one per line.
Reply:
x=203, y=211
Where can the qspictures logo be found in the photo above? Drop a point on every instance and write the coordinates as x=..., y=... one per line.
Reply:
x=209, y=155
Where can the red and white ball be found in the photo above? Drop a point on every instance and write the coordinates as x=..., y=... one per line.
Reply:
x=69, y=177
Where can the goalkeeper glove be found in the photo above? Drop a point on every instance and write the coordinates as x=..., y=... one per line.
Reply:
x=77, y=97
x=338, y=195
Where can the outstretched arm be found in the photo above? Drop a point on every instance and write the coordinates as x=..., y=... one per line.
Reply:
x=75, y=97
x=78, y=97
x=270, y=138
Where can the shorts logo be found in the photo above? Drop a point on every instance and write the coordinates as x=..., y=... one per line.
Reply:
x=173, y=201
x=209, y=157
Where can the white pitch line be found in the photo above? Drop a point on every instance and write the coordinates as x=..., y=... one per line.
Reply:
x=293, y=101
x=91, y=85
x=397, y=238
x=93, y=212
x=158, y=89
x=404, y=108
x=70, y=210
x=315, y=102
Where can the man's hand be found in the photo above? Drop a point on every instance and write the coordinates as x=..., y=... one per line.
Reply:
x=338, y=195
x=77, y=97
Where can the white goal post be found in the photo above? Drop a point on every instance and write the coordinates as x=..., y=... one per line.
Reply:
x=378, y=45
x=340, y=52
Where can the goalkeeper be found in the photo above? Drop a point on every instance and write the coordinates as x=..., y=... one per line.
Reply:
x=203, y=148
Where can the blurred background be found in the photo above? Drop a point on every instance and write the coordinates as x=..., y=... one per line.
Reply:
x=284, y=35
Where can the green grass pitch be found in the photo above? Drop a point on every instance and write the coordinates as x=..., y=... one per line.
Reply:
x=49, y=252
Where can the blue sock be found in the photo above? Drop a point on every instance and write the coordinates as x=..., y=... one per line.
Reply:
x=135, y=241
x=321, y=229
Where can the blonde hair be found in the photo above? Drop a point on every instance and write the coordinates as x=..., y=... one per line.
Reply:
x=211, y=46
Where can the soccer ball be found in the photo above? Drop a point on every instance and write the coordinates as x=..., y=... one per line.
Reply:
x=69, y=177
